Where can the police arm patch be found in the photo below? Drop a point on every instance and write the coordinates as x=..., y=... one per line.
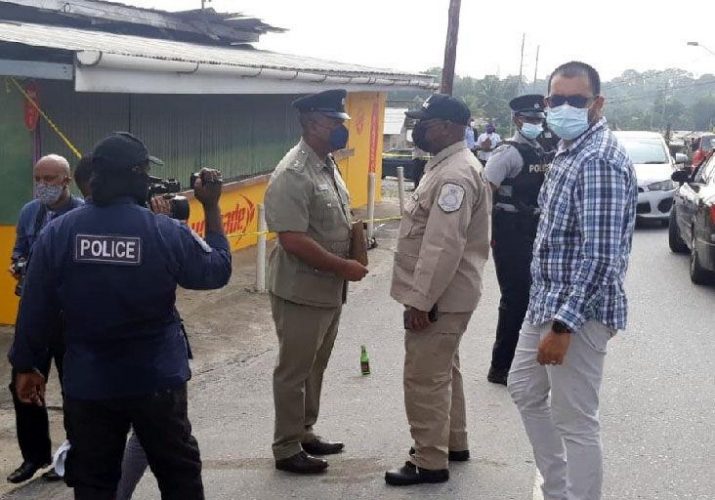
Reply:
x=451, y=197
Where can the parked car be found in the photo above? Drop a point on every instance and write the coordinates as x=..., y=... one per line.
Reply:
x=702, y=149
x=654, y=166
x=692, y=220
x=398, y=158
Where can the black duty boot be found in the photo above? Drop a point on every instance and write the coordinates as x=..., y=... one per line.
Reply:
x=302, y=463
x=410, y=474
x=24, y=472
x=319, y=447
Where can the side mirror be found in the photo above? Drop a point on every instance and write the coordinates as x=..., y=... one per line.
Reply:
x=681, y=158
x=680, y=176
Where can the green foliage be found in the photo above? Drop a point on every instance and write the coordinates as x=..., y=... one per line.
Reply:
x=649, y=100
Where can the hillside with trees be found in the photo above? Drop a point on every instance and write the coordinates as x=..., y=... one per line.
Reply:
x=649, y=100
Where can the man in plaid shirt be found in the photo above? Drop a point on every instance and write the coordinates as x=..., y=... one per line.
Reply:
x=577, y=300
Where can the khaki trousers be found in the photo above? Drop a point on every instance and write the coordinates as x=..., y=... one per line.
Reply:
x=306, y=335
x=434, y=394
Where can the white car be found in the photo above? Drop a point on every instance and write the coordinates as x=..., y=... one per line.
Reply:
x=654, y=166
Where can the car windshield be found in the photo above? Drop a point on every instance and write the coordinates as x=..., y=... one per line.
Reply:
x=706, y=143
x=645, y=149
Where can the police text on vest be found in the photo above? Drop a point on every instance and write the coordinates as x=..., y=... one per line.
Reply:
x=103, y=249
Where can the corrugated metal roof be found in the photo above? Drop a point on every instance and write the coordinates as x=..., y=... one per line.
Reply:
x=72, y=39
x=394, y=120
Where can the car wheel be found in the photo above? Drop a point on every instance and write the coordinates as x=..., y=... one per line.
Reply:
x=675, y=241
x=698, y=274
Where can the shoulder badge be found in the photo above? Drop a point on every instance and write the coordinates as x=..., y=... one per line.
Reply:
x=451, y=197
x=297, y=162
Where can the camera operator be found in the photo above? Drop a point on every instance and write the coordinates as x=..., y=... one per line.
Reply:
x=52, y=178
x=113, y=268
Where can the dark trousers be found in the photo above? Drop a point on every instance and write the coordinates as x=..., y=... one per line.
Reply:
x=33, y=427
x=98, y=432
x=512, y=242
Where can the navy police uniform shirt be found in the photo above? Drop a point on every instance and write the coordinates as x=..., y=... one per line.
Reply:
x=113, y=272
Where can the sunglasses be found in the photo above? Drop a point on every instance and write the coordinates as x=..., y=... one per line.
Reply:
x=576, y=101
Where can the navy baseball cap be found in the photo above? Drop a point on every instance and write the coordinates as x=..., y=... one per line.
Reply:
x=123, y=150
x=443, y=107
x=330, y=103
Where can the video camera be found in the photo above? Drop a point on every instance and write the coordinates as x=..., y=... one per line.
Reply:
x=180, y=209
x=19, y=269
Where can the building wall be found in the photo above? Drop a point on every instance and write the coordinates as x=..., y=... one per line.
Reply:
x=240, y=199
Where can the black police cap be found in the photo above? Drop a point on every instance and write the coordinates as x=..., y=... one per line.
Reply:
x=443, y=107
x=531, y=105
x=123, y=150
x=330, y=103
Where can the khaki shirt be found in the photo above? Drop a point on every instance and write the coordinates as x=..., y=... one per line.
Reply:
x=307, y=195
x=444, y=236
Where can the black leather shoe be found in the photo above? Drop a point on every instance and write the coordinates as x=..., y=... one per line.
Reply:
x=454, y=456
x=410, y=474
x=302, y=463
x=24, y=472
x=497, y=376
x=51, y=476
x=320, y=447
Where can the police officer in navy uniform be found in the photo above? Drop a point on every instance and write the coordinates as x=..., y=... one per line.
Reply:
x=112, y=268
x=515, y=171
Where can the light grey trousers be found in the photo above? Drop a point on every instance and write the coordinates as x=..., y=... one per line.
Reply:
x=564, y=429
x=134, y=464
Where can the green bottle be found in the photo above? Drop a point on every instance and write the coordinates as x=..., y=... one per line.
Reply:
x=364, y=361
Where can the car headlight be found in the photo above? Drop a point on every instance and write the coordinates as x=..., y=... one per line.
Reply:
x=661, y=186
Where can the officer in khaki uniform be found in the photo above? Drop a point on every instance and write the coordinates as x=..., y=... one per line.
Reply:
x=308, y=205
x=441, y=251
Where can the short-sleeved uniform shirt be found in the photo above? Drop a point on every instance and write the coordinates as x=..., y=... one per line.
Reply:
x=307, y=195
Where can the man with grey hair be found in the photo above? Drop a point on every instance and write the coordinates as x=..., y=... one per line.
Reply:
x=52, y=198
x=577, y=301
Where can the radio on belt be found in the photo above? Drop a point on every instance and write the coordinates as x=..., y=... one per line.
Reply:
x=106, y=249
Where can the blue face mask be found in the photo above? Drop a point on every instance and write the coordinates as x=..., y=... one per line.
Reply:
x=339, y=137
x=567, y=122
x=531, y=130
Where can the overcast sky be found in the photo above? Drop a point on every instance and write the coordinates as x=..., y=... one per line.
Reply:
x=612, y=35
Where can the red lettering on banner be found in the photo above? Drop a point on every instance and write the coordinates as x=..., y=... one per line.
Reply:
x=235, y=222
x=374, y=120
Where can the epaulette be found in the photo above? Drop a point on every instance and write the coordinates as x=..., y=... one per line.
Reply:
x=298, y=161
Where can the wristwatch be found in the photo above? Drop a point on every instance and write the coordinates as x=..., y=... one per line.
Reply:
x=560, y=327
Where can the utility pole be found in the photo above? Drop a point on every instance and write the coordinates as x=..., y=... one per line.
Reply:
x=450, y=49
x=536, y=68
x=521, y=75
x=521, y=64
x=203, y=4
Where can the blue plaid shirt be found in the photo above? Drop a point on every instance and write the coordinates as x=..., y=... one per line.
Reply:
x=588, y=204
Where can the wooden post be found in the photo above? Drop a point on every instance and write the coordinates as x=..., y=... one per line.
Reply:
x=450, y=49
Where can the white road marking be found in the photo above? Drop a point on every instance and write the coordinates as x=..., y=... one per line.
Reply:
x=538, y=495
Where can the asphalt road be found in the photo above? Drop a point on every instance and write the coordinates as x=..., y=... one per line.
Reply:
x=657, y=401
